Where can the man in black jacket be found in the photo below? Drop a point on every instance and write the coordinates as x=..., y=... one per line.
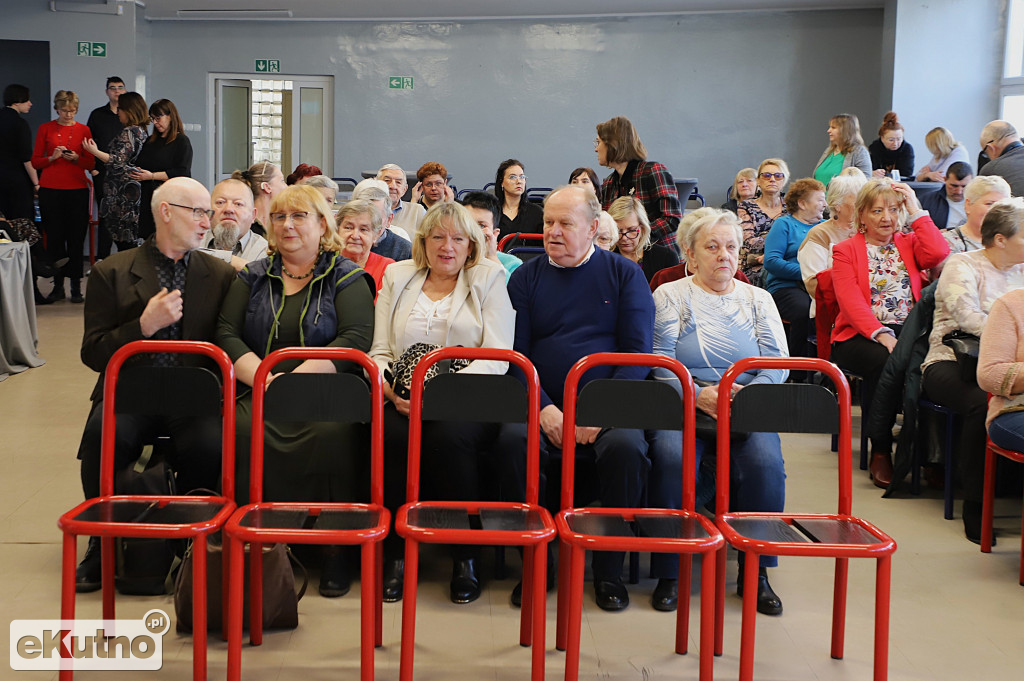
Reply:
x=946, y=206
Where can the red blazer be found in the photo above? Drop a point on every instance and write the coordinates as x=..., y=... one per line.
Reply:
x=920, y=250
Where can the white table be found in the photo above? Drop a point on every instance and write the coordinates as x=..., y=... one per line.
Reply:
x=18, y=335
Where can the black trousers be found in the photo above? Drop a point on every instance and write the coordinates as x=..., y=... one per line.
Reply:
x=794, y=307
x=65, y=214
x=453, y=462
x=196, y=453
x=943, y=385
x=866, y=358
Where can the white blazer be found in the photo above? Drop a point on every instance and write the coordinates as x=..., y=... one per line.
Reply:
x=481, y=316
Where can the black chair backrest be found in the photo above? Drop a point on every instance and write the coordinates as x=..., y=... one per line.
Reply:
x=479, y=398
x=525, y=253
x=178, y=391
x=785, y=408
x=341, y=397
x=617, y=403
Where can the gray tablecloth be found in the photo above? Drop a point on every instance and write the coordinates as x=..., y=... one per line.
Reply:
x=18, y=337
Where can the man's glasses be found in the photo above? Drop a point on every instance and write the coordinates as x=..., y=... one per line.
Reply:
x=777, y=176
x=116, y=87
x=197, y=212
x=298, y=218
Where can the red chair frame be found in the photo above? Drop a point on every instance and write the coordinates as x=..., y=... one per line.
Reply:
x=576, y=543
x=533, y=541
x=881, y=548
x=105, y=504
x=524, y=236
x=988, y=500
x=369, y=536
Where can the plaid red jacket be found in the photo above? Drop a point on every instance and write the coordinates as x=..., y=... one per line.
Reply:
x=653, y=185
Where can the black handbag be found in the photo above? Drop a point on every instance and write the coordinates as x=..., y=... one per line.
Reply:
x=399, y=372
x=965, y=348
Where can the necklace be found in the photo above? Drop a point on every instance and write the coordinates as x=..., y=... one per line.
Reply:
x=298, y=276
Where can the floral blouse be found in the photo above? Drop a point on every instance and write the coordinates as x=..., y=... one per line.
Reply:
x=121, y=194
x=889, y=281
x=755, y=223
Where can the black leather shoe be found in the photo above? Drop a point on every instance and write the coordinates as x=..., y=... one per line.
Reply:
x=517, y=590
x=465, y=586
x=611, y=596
x=394, y=580
x=88, y=575
x=768, y=603
x=334, y=579
x=666, y=595
x=40, y=298
x=972, y=522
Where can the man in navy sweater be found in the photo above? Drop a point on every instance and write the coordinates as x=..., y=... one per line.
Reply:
x=577, y=301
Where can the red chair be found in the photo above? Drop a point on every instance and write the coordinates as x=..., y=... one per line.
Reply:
x=809, y=409
x=487, y=399
x=633, y=404
x=161, y=517
x=310, y=397
x=519, y=236
x=988, y=500
x=826, y=308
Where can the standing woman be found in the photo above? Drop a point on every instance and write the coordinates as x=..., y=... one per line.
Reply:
x=757, y=215
x=890, y=152
x=18, y=179
x=518, y=213
x=845, y=149
x=166, y=154
x=945, y=152
x=64, y=190
x=265, y=181
x=633, y=237
x=122, y=193
x=618, y=147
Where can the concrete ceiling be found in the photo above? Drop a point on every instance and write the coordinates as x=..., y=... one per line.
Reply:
x=438, y=10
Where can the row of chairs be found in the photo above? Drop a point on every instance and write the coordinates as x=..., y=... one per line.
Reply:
x=637, y=404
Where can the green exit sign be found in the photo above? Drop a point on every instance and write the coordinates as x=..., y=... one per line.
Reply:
x=89, y=49
x=268, y=66
x=400, y=82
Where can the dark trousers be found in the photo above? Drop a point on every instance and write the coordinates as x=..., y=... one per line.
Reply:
x=620, y=455
x=452, y=463
x=196, y=452
x=943, y=385
x=866, y=358
x=794, y=307
x=65, y=214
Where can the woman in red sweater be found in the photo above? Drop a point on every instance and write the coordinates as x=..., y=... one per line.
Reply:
x=64, y=190
x=884, y=266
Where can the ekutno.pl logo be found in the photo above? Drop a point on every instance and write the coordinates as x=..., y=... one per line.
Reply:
x=120, y=644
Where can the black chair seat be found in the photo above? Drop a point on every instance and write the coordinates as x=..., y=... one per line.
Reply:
x=424, y=516
x=805, y=530
x=162, y=512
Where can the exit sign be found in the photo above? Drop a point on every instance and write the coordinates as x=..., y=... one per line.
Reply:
x=400, y=82
x=268, y=66
x=90, y=49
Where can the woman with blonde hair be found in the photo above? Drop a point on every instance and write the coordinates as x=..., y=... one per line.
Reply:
x=890, y=151
x=845, y=149
x=945, y=152
x=64, y=190
x=305, y=293
x=757, y=215
x=633, y=237
x=744, y=188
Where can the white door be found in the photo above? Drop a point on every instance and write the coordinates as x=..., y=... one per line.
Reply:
x=233, y=141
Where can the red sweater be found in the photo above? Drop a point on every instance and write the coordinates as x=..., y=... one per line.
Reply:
x=920, y=250
x=62, y=173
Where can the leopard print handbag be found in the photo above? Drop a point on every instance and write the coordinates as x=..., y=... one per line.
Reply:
x=399, y=372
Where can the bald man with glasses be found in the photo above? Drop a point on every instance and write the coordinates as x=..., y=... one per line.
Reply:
x=1001, y=141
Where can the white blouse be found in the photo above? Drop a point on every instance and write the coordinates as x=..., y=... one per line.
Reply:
x=428, y=321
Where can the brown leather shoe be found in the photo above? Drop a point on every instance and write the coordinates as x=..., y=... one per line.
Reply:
x=881, y=469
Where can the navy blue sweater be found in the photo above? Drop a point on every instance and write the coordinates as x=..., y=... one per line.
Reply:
x=565, y=314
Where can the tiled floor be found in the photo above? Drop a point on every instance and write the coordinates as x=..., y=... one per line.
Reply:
x=956, y=613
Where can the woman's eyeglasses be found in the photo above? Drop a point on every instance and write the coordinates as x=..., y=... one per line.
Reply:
x=777, y=176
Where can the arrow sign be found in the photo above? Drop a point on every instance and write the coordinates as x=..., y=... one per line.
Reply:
x=261, y=65
x=99, y=49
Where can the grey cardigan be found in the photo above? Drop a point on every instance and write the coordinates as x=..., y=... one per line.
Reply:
x=859, y=157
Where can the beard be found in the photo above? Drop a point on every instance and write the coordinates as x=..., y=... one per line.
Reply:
x=225, y=236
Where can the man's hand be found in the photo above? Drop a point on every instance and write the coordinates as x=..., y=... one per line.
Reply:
x=162, y=310
x=551, y=424
x=238, y=263
x=586, y=435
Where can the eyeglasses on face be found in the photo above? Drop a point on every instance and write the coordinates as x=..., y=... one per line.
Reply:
x=777, y=176
x=116, y=87
x=298, y=218
x=434, y=184
x=516, y=178
x=629, y=233
x=197, y=212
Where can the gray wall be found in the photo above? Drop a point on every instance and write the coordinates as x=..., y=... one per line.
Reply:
x=709, y=93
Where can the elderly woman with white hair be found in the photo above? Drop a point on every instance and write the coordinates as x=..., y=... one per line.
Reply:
x=393, y=242
x=682, y=270
x=708, y=322
x=980, y=195
x=607, y=231
x=634, y=237
x=359, y=226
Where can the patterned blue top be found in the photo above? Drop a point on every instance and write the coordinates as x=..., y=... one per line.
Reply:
x=708, y=332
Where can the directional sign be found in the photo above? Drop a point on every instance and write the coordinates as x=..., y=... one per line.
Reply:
x=400, y=82
x=99, y=49
x=91, y=49
x=268, y=66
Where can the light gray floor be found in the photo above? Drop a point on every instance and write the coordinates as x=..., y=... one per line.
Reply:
x=956, y=613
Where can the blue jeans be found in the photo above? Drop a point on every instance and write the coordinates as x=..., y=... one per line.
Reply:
x=1007, y=431
x=757, y=476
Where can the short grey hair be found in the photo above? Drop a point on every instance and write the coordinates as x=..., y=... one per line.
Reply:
x=320, y=181
x=361, y=207
x=688, y=221
x=388, y=166
x=1004, y=217
x=843, y=186
x=711, y=219
x=593, y=206
x=373, y=189
x=983, y=184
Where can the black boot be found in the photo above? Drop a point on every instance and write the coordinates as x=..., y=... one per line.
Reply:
x=465, y=585
x=76, y=291
x=972, y=522
x=768, y=602
x=58, y=289
x=394, y=580
x=40, y=298
x=42, y=264
x=334, y=577
x=88, y=575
